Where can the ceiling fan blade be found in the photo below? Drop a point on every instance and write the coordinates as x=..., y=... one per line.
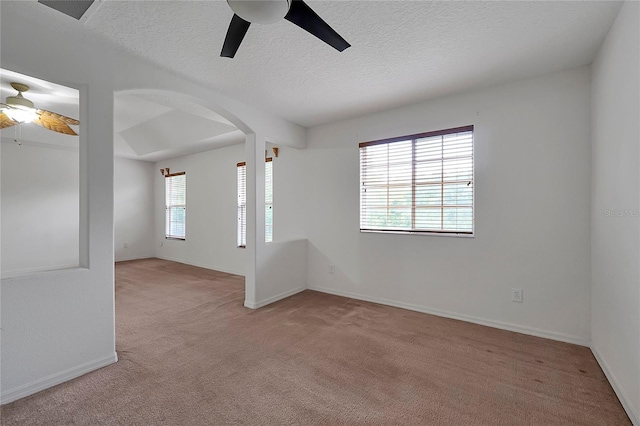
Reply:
x=6, y=121
x=53, y=123
x=304, y=17
x=237, y=29
x=60, y=117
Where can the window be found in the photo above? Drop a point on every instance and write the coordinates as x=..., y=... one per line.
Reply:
x=268, y=201
x=242, y=203
x=175, y=196
x=419, y=183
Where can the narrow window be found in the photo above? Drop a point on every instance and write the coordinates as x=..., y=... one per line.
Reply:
x=418, y=184
x=242, y=203
x=268, y=201
x=175, y=186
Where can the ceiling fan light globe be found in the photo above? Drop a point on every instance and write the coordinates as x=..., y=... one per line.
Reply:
x=21, y=114
x=260, y=11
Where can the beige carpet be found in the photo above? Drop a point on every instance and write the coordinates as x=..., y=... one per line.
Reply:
x=191, y=354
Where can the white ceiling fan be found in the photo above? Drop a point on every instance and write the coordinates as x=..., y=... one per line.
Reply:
x=19, y=110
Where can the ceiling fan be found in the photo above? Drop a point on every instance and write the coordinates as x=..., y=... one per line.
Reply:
x=270, y=11
x=19, y=110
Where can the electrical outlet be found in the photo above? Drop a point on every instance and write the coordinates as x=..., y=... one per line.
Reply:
x=516, y=295
x=125, y=245
x=332, y=269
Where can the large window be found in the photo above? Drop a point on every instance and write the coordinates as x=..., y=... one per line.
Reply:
x=175, y=195
x=419, y=183
x=242, y=203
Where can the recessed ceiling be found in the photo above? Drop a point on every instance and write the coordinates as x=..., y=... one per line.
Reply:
x=154, y=127
x=402, y=51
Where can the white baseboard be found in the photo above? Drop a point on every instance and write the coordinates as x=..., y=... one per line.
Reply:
x=462, y=317
x=55, y=379
x=39, y=271
x=269, y=300
x=199, y=265
x=132, y=257
x=624, y=400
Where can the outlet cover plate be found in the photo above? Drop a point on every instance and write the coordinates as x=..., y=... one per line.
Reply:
x=516, y=295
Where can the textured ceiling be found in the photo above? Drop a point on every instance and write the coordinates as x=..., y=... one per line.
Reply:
x=402, y=51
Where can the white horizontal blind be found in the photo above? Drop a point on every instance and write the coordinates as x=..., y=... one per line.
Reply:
x=268, y=201
x=175, y=186
x=242, y=203
x=418, y=183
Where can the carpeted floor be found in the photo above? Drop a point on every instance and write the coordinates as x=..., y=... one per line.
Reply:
x=191, y=354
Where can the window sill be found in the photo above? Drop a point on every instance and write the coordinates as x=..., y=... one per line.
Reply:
x=174, y=238
x=424, y=233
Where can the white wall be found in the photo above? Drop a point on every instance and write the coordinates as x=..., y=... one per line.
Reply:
x=58, y=325
x=615, y=235
x=133, y=208
x=532, y=183
x=40, y=207
x=289, y=193
x=281, y=272
x=211, y=211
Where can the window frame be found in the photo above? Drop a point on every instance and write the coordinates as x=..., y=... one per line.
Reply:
x=241, y=215
x=241, y=218
x=413, y=230
x=168, y=207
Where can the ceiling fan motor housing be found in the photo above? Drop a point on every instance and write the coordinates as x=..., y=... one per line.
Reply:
x=19, y=100
x=260, y=11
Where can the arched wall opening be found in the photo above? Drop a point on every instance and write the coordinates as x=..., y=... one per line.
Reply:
x=272, y=270
x=158, y=133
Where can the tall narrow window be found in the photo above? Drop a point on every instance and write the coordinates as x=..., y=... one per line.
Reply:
x=419, y=183
x=242, y=203
x=175, y=187
x=268, y=201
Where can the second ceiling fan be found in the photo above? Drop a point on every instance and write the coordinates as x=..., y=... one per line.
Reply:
x=19, y=110
x=270, y=11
